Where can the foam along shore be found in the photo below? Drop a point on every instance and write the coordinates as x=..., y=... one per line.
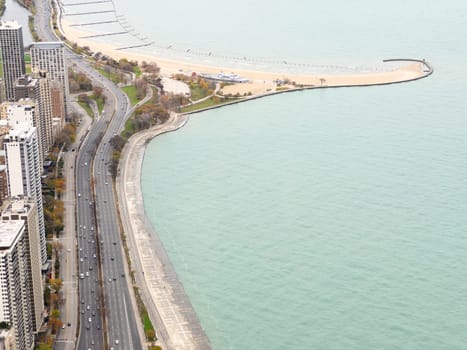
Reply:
x=405, y=71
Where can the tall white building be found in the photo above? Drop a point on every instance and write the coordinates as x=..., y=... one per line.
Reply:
x=15, y=283
x=38, y=87
x=50, y=56
x=25, y=209
x=27, y=111
x=24, y=172
x=20, y=113
x=12, y=54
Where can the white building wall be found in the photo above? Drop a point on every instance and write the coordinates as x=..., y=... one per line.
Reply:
x=23, y=160
x=16, y=179
x=50, y=56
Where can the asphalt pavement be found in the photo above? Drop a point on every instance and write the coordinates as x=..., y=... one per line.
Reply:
x=105, y=313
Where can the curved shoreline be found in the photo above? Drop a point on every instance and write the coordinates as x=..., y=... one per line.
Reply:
x=175, y=321
x=174, y=318
x=170, y=66
x=169, y=308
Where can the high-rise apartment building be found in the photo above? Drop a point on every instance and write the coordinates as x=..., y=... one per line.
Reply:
x=25, y=209
x=50, y=56
x=37, y=87
x=3, y=183
x=24, y=113
x=15, y=307
x=12, y=54
x=58, y=106
x=24, y=172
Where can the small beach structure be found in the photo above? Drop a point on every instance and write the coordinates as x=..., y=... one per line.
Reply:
x=226, y=78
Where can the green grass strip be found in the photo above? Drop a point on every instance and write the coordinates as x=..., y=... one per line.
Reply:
x=87, y=108
x=131, y=92
x=210, y=102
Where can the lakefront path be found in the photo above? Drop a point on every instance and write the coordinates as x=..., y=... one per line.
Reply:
x=175, y=321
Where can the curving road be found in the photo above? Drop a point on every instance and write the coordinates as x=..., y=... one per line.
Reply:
x=106, y=310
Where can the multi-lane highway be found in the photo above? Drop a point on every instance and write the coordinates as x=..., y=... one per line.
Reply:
x=106, y=311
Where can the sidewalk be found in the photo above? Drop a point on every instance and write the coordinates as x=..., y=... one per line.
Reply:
x=66, y=337
x=173, y=317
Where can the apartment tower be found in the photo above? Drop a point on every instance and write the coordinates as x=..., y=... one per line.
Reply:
x=24, y=172
x=15, y=283
x=50, y=56
x=25, y=209
x=12, y=54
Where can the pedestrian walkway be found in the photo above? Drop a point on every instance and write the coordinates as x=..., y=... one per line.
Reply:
x=174, y=319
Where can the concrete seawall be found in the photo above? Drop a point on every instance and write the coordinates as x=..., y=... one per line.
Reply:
x=426, y=73
x=176, y=323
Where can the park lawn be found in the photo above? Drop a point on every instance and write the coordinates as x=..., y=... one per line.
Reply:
x=210, y=102
x=131, y=93
x=113, y=77
x=87, y=108
x=197, y=93
x=129, y=130
x=147, y=322
x=99, y=102
x=137, y=71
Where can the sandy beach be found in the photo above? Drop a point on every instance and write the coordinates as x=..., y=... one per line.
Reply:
x=260, y=81
x=174, y=318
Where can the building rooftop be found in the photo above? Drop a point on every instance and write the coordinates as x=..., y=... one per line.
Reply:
x=9, y=25
x=48, y=44
x=20, y=131
x=9, y=231
x=18, y=206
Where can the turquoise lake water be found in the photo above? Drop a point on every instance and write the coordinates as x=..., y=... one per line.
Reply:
x=331, y=219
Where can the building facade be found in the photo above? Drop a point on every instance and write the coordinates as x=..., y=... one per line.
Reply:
x=24, y=172
x=50, y=56
x=25, y=209
x=37, y=88
x=15, y=283
x=12, y=54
